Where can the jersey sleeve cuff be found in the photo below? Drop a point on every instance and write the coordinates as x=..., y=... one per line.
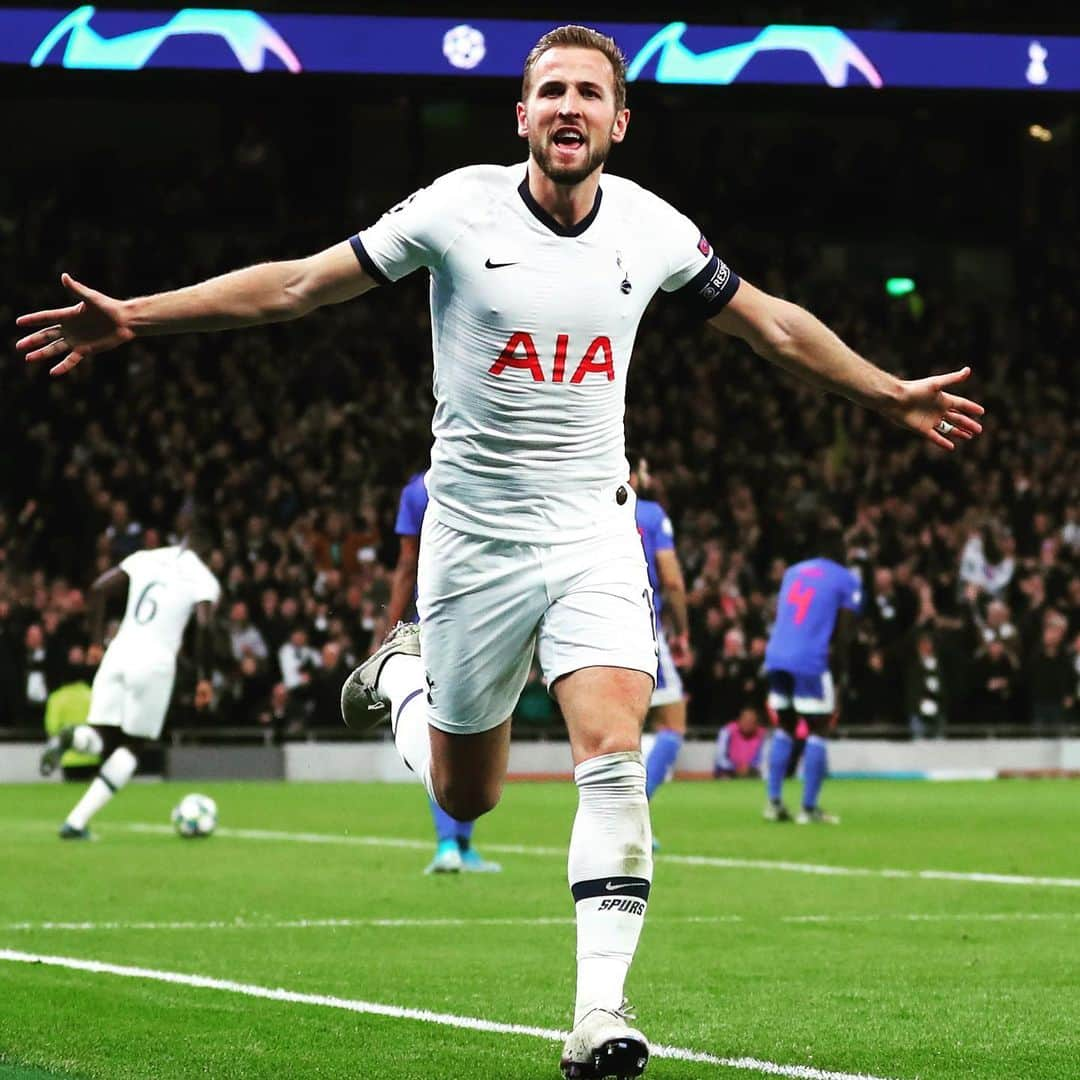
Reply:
x=367, y=262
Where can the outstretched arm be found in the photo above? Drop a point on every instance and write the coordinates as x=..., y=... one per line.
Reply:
x=270, y=292
x=791, y=337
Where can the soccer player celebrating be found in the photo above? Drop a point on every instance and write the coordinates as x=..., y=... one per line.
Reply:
x=540, y=274
x=815, y=611
x=454, y=850
x=133, y=685
x=667, y=706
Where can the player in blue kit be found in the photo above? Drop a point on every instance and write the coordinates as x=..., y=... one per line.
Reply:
x=454, y=850
x=667, y=707
x=815, y=612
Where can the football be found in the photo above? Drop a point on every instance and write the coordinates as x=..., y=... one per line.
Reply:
x=195, y=815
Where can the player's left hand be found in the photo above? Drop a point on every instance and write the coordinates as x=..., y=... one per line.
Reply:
x=95, y=323
x=927, y=407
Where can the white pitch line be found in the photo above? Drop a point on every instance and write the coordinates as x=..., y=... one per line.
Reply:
x=397, y=1012
x=717, y=862
x=399, y=924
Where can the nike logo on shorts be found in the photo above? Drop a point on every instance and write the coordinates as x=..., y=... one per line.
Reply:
x=489, y=265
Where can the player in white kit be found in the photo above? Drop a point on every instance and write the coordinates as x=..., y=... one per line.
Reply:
x=134, y=683
x=540, y=273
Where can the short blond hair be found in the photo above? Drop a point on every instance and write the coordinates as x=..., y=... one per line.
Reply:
x=579, y=37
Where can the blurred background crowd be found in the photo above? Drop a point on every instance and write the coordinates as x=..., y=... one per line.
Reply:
x=297, y=439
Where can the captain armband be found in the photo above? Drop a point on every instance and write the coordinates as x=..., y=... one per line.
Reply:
x=708, y=292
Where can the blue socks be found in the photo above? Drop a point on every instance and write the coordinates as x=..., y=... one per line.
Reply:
x=815, y=765
x=448, y=828
x=661, y=758
x=779, y=756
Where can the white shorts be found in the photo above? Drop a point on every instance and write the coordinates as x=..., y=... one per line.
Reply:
x=669, y=688
x=132, y=691
x=808, y=695
x=486, y=606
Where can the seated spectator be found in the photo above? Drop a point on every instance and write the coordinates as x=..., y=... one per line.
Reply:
x=739, y=747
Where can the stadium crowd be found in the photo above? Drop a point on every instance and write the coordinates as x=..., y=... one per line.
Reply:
x=296, y=440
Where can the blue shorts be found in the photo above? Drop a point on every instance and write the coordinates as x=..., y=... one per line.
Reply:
x=809, y=695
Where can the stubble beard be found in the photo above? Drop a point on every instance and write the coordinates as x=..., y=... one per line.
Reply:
x=567, y=175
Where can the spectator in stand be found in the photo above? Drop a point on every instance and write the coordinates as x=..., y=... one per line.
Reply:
x=924, y=689
x=244, y=636
x=35, y=676
x=297, y=660
x=995, y=678
x=737, y=678
x=337, y=545
x=124, y=535
x=1034, y=608
x=987, y=560
x=283, y=716
x=334, y=669
x=739, y=747
x=1050, y=677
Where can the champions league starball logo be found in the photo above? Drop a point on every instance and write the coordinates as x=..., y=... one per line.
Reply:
x=464, y=46
x=248, y=35
x=831, y=50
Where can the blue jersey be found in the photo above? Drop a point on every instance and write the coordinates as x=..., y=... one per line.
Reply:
x=811, y=594
x=413, y=503
x=654, y=527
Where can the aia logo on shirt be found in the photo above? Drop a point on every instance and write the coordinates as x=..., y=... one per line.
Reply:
x=520, y=352
x=703, y=246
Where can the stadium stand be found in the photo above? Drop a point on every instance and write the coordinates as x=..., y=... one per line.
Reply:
x=296, y=438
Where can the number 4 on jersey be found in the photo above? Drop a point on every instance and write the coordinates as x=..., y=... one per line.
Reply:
x=800, y=595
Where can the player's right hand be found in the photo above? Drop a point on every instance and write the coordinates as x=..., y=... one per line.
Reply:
x=681, y=654
x=95, y=324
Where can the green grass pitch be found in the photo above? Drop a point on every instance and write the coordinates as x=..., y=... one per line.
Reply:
x=888, y=975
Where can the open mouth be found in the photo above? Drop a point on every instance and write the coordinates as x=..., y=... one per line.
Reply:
x=568, y=139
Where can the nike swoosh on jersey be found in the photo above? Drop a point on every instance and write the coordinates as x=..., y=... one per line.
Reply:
x=496, y=266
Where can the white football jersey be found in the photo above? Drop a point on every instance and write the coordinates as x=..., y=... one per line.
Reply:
x=533, y=324
x=165, y=585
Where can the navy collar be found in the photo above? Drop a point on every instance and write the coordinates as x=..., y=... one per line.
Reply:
x=547, y=220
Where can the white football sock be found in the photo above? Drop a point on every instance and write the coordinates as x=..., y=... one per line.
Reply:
x=111, y=777
x=402, y=681
x=610, y=871
x=86, y=740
